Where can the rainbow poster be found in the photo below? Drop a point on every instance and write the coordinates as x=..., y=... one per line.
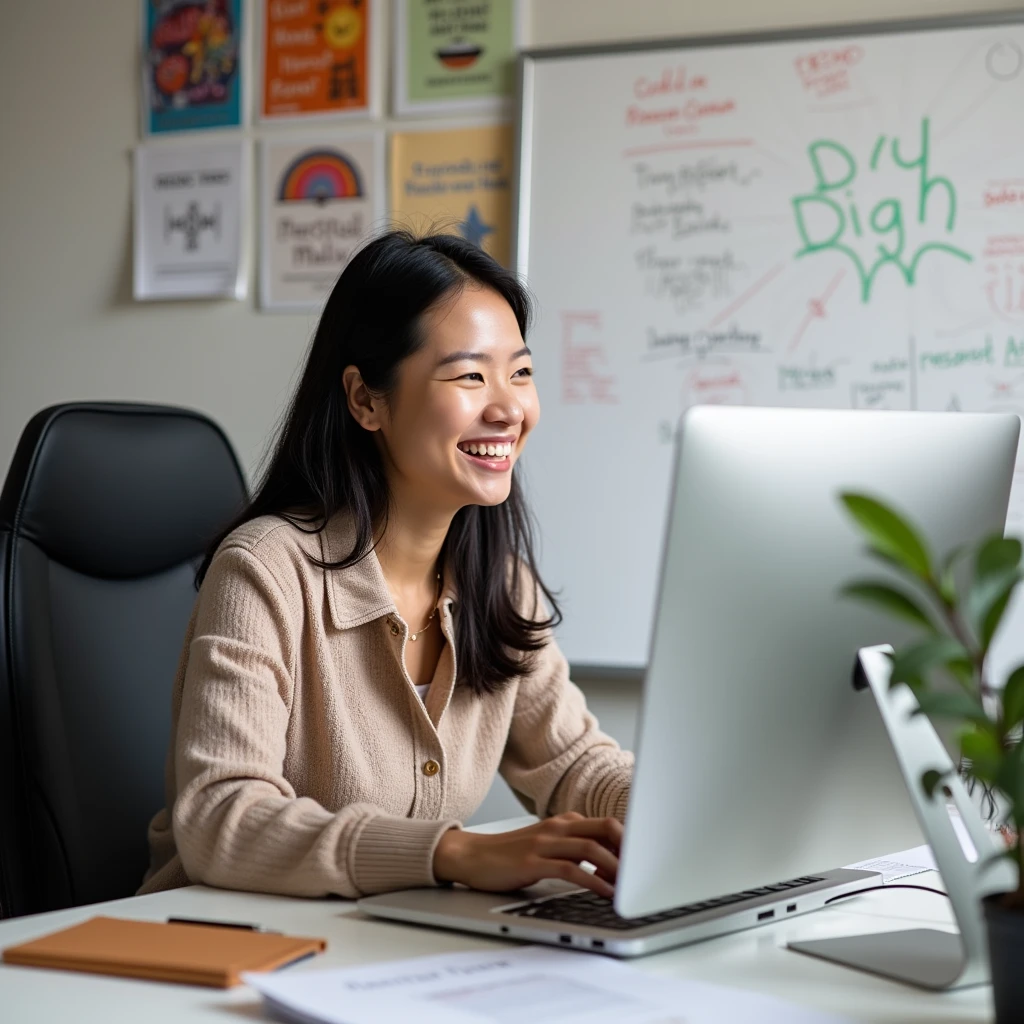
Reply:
x=319, y=201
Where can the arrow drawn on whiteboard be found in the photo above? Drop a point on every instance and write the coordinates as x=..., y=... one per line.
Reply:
x=748, y=294
x=816, y=309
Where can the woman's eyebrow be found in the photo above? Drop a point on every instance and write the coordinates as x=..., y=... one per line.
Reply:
x=480, y=357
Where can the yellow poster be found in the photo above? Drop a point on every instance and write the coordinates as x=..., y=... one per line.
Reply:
x=455, y=181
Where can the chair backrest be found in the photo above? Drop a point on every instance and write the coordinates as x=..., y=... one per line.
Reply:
x=106, y=510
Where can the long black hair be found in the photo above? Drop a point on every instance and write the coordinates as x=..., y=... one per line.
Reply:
x=323, y=462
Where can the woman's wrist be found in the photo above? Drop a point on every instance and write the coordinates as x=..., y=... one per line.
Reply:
x=450, y=854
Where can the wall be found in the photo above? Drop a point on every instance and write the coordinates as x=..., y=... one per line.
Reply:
x=68, y=326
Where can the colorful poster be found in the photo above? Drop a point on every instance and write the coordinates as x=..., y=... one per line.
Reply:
x=456, y=181
x=451, y=55
x=319, y=202
x=191, y=76
x=189, y=205
x=316, y=57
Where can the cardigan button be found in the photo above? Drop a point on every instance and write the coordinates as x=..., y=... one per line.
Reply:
x=431, y=768
x=394, y=628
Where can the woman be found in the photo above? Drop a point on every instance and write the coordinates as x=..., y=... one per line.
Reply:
x=369, y=643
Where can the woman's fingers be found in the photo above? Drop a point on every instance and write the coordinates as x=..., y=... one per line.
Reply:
x=577, y=849
x=607, y=831
x=573, y=873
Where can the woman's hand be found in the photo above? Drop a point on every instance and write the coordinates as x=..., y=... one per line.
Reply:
x=552, y=848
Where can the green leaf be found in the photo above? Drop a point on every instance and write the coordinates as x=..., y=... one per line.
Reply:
x=889, y=533
x=984, y=752
x=915, y=661
x=963, y=672
x=995, y=615
x=988, y=597
x=947, y=578
x=997, y=555
x=930, y=780
x=1010, y=778
x=890, y=600
x=952, y=705
x=1013, y=699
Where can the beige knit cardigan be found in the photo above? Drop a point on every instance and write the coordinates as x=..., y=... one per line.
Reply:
x=302, y=760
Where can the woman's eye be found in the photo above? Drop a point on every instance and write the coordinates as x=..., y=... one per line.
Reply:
x=472, y=376
x=526, y=371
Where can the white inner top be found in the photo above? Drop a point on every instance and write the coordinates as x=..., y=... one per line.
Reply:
x=422, y=691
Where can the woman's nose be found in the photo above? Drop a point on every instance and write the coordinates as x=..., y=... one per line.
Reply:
x=504, y=407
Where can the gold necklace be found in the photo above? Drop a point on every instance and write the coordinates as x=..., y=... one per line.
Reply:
x=437, y=597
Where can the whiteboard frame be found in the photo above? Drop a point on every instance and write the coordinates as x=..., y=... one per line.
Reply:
x=525, y=99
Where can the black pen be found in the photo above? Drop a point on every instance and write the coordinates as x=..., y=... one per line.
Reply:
x=241, y=925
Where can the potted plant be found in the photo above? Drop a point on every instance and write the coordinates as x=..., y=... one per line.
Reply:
x=947, y=669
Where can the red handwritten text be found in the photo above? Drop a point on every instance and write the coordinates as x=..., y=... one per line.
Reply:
x=826, y=72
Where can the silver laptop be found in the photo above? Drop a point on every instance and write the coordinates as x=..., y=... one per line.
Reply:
x=759, y=767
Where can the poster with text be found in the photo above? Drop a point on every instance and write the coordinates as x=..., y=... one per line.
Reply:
x=452, y=55
x=189, y=205
x=191, y=70
x=455, y=181
x=319, y=201
x=316, y=58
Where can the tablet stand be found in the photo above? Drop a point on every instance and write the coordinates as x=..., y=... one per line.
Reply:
x=926, y=957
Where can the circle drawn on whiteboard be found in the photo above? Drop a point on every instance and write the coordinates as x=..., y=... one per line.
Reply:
x=1004, y=61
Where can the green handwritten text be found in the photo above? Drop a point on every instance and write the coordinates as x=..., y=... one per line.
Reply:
x=827, y=223
x=953, y=358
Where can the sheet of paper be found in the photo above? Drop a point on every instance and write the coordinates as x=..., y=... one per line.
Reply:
x=320, y=199
x=189, y=225
x=459, y=181
x=539, y=985
x=899, y=865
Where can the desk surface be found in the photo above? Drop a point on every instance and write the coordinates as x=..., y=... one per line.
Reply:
x=755, y=959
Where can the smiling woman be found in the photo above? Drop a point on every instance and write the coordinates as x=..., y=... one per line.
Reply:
x=371, y=640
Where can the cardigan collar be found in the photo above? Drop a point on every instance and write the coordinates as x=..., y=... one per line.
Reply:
x=359, y=594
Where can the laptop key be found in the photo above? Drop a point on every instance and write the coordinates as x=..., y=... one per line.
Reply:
x=587, y=908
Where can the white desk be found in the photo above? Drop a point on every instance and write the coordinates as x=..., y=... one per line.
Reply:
x=753, y=960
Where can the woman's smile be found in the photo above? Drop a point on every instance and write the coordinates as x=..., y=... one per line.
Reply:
x=493, y=454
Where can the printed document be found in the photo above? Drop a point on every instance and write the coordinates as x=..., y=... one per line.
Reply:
x=534, y=984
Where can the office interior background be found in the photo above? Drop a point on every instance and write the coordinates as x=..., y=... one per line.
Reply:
x=69, y=328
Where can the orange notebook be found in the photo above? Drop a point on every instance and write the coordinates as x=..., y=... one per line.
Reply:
x=193, y=953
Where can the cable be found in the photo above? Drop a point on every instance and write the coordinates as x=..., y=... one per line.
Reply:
x=872, y=888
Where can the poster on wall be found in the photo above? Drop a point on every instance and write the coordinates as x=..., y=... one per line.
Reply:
x=191, y=68
x=316, y=58
x=189, y=206
x=319, y=201
x=453, y=56
x=456, y=181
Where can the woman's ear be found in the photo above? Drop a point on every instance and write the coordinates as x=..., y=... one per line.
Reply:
x=366, y=411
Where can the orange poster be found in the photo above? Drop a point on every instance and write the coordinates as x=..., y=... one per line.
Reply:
x=316, y=58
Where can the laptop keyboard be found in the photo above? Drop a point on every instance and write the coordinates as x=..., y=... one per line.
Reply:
x=597, y=911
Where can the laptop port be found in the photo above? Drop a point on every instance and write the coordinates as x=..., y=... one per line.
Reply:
x=790, y=908
x=766, y=915
x=567, y=939
x=597, y=943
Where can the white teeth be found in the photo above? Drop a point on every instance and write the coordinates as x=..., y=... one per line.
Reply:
x=493, y=450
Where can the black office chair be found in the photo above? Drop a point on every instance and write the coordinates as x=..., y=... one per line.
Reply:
x=106, y=509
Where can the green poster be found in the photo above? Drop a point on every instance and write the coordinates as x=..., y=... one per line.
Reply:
x=454, y=54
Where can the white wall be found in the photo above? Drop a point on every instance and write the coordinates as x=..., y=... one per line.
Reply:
x=68, y=326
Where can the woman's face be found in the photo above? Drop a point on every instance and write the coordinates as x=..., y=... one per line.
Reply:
x=462, y=407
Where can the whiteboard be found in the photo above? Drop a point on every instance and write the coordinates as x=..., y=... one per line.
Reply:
x=811, y=219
